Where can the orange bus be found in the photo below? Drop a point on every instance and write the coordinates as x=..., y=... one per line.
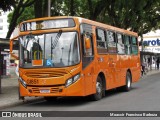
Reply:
x=73, y=56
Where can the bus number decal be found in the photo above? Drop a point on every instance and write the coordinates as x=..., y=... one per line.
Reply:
x=32, y=81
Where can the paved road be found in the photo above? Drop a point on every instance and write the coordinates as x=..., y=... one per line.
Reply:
x=144, y=96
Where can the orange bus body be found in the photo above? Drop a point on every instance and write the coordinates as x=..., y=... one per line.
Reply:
x=110, y=67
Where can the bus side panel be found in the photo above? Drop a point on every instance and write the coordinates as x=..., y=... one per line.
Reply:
x=113, y=71
x=124, y=63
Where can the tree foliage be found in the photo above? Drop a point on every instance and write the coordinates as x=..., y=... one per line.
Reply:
x=18, y=10
x=6, y=5
x=136, y=15
x=26, y=15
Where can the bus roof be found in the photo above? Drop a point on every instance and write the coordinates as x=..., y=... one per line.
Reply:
x=106, y=26
x=87, y=21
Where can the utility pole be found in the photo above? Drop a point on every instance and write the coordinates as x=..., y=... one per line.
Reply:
x=49, y=8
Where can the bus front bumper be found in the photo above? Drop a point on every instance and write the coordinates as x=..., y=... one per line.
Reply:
x=76, y=89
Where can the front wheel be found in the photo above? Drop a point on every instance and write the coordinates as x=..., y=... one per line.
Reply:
x=99, y=90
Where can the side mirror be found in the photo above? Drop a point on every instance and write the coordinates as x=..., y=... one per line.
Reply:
x=87, y=43
x=11, y=48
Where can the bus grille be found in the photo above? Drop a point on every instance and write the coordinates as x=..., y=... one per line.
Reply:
x=52, y=89
x=45, y=74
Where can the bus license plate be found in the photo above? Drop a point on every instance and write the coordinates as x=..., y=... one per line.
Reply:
x=44, y=91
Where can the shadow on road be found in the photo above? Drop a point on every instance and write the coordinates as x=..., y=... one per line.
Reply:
x=75, y=101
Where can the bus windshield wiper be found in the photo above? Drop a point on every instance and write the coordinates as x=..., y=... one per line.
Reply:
x=54, y=43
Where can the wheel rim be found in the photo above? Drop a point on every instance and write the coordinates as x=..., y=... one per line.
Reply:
x=99, y=87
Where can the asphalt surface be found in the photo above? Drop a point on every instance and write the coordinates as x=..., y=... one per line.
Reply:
x=144, y=96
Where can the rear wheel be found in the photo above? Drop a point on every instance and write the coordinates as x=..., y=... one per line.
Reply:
x=99, y=90
x=127, y=87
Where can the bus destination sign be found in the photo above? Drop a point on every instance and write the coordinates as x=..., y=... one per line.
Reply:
x=47, y=24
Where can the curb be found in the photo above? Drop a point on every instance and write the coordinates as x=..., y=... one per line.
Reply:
x=20, y=102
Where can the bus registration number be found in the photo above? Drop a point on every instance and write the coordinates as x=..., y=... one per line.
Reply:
x=44, y=91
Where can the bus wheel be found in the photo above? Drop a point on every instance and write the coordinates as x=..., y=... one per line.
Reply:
x=50, y=99
x=99, y=90
x=127, y=87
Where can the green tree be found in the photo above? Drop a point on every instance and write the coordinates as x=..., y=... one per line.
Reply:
x=26, y=15
x=18, y=10
x=136, y=15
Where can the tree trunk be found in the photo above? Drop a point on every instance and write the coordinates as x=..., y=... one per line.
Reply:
x=38, y=9
x=90, y=9
x=72, y=8
x=45, y=8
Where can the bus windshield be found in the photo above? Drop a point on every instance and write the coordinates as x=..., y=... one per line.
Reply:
x=49, y=50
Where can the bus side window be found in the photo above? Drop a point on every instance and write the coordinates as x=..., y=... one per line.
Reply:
x=134, y=44
x=120, y=44
x=101, y=41
x=112, y=48
x=127, y=44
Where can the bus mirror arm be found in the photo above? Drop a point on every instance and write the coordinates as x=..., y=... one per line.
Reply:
x=11, y=48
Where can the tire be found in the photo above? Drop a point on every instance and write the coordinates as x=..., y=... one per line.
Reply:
x=99, y=90
x=50, y=99
x=128, y=85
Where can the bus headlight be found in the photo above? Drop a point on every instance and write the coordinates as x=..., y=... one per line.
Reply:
x=22, y=82
x=72, y=80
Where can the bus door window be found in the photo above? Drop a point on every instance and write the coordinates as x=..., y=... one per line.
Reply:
x=88, y=53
